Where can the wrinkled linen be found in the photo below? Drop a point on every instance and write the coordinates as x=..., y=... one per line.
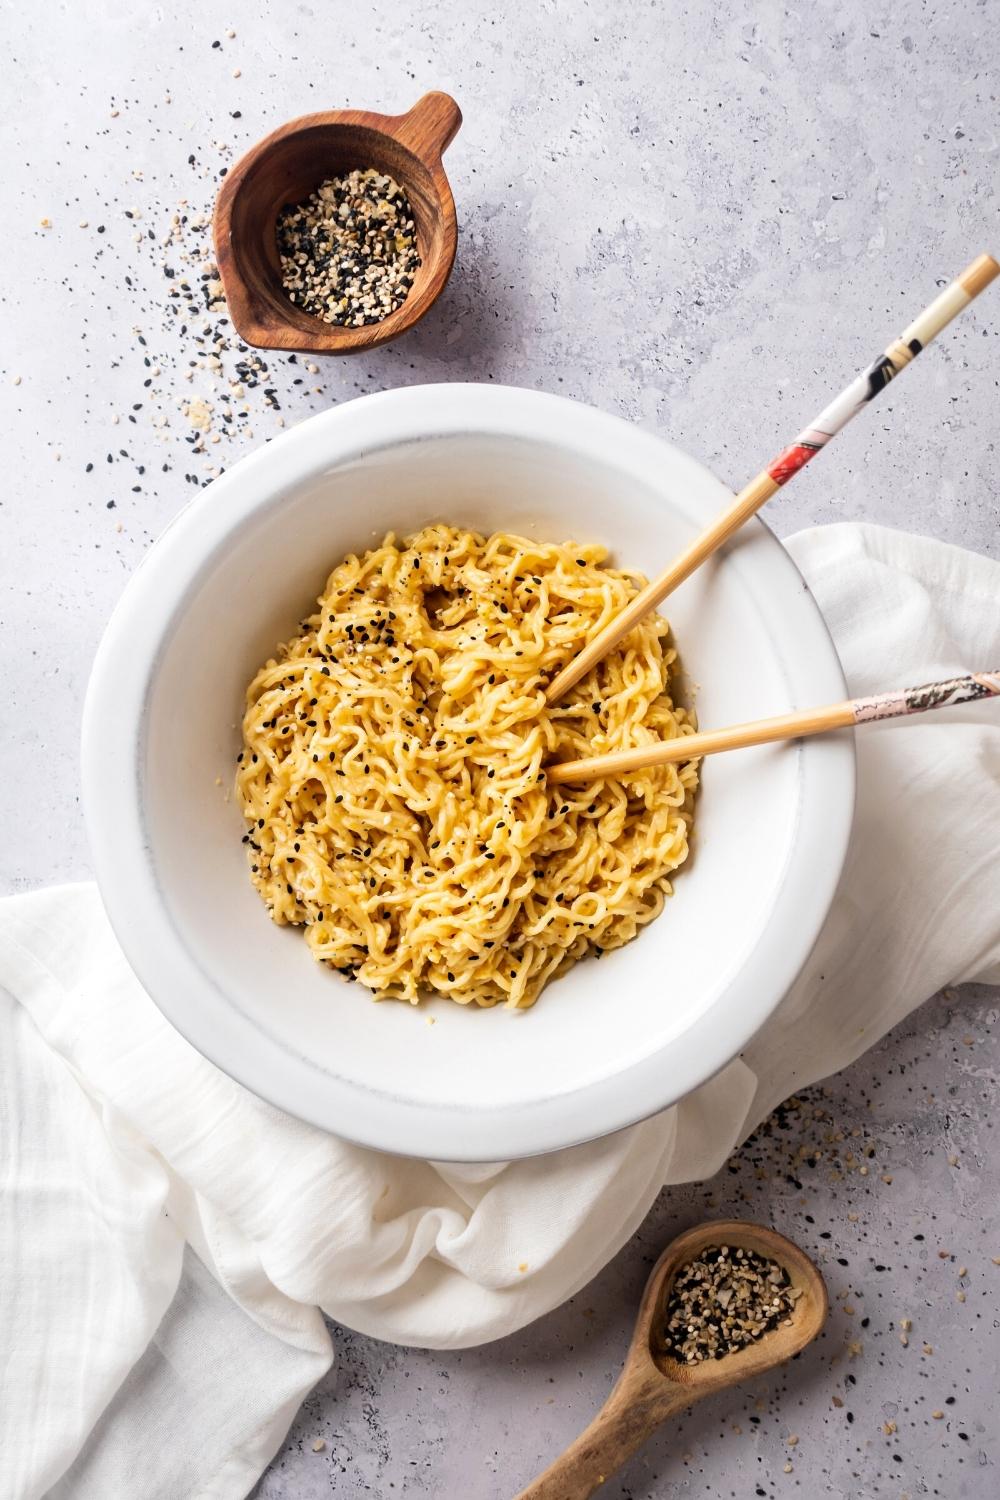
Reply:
x=167, y=1239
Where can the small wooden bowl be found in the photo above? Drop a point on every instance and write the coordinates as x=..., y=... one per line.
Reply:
x=285, y=168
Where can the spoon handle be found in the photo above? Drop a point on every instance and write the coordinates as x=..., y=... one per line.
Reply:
x=637, y=1405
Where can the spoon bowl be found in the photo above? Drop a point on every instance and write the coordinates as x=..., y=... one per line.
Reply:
x=654, y=1385
x=285, y=168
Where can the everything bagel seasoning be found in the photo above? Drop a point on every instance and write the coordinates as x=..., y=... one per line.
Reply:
x=349, y=252
x=723, y=1300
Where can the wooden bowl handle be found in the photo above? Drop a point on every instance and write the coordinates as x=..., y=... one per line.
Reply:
x=429, y=127
x=633, y=1411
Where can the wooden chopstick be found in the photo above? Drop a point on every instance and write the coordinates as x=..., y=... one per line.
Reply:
x=684, y=747
x=953, y=300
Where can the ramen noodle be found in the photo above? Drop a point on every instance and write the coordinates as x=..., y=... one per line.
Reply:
x=393, y=769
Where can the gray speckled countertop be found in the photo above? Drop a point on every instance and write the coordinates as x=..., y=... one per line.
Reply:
x=704, y=217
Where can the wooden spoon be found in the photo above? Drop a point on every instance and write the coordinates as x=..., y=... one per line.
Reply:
x=654, y=1386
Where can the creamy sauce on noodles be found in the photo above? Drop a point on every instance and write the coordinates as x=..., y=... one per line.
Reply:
x=392, y=771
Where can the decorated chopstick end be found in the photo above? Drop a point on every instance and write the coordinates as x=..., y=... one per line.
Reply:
x=917, y=700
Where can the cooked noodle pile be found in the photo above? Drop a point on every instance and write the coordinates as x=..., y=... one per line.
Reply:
x=392, y=770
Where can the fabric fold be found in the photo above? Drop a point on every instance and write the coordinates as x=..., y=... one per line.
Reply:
x=169, y=1242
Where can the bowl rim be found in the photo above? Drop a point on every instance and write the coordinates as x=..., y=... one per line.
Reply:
x=116, y=708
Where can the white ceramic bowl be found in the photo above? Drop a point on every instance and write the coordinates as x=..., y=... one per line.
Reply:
x=609, y=1043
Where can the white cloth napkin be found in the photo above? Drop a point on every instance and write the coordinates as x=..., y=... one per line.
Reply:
x=167, y=1239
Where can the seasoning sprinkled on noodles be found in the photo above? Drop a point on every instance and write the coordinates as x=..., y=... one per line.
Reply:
x=392, y=769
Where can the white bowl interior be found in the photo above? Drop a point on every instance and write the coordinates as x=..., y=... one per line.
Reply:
x=604, y=1017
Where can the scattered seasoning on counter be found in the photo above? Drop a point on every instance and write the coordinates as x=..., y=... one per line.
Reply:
x=349, y=252
x=722, y=1301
